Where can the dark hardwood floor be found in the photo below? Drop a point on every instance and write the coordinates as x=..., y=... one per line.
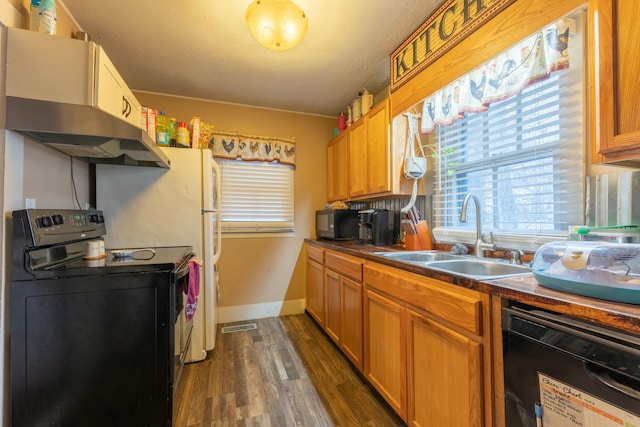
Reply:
x=284, y=373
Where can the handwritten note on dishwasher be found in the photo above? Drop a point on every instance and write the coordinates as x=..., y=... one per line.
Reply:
x=564, y=405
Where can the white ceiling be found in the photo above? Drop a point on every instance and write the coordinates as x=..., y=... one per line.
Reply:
x=203, y=49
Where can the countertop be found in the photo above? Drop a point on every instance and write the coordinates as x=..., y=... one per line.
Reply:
x=524, y=289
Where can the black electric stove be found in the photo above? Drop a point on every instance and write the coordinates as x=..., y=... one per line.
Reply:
x=93, y=341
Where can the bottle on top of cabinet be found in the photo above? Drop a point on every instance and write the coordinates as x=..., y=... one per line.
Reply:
x=367, y=101
x=162, y=134
x=183, y=134
x=34, y=19
x=47, y=17
x=356, y=109
x=172, y=130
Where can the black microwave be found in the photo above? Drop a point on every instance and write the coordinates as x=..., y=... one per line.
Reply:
x=337, y=224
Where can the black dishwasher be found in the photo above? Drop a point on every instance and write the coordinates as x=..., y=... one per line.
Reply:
x=559, y=371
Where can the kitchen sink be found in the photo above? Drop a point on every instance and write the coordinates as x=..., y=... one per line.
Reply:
x=418, y=256
x=479, y=268
x=460, y=265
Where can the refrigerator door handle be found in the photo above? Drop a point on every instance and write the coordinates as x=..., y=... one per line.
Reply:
x=216, y=255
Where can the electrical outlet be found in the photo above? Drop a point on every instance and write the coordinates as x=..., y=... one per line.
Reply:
x=30, y=203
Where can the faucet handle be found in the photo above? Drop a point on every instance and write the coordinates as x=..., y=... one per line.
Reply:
x=516, y=256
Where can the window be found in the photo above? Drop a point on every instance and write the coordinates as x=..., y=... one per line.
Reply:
x=523, y=157
x=256, y=197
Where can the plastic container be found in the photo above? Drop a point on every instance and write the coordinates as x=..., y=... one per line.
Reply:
x=356, y=109
x=367, y=101
x=342, y=122
x=47, y=17
x=34, y=18
x=612, y=234
x=162, y=134
x=183, y=134
x=172, y=130
x=608, y=271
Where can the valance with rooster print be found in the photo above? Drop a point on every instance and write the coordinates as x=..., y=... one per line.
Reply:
x=228, y=145
x=503, y=77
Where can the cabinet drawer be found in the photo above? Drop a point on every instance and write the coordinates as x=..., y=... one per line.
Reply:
x=315, y=253
x=460, y=306
x=346, y=265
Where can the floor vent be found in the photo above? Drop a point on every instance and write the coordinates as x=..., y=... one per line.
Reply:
x=238, y=328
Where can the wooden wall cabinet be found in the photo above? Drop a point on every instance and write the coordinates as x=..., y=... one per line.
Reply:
x=358, y=158
x=338, y=168
x=365, y=161
x=426, y=350
x=614, y=87
x=315, y=284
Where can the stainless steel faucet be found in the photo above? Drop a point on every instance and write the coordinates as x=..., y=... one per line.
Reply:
x=481, y=246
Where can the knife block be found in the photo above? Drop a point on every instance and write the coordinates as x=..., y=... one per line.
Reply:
x=421, y=241
x=412, y=243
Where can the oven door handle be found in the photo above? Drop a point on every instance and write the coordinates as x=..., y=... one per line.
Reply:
x=602, y=374
x=182, y=272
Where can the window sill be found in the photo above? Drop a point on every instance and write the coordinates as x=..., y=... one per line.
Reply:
x=507, y=241
x=257, y=235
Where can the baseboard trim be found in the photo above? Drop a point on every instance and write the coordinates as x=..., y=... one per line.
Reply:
x=241, y=313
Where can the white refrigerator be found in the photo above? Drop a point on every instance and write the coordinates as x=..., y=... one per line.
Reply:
x=148, y=207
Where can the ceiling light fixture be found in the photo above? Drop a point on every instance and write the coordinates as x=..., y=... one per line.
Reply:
x=276, y=24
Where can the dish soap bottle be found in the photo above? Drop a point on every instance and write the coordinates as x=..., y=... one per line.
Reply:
x=47, y=17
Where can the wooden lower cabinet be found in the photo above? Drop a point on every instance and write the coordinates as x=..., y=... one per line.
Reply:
x=423, y=344
x=343, y=304
x=385, y=349
x=333, y=305
x=444, y=375
x=315, y=284
x=351, y=320
x=425, y=348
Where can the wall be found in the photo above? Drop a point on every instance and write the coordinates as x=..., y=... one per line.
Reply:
x=28, y=170
x=264, y=276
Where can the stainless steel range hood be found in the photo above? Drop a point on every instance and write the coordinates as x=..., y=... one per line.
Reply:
x=83, y=131
x=66, y=94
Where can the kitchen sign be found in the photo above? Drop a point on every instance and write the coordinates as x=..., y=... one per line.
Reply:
x=451, y=23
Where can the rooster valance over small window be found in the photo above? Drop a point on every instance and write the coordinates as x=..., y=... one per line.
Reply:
x=228, y=145
x=503, y=77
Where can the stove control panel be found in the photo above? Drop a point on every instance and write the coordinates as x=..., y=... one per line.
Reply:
x=42, y=227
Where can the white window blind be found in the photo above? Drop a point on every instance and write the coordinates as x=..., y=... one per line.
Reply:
x=523, y=157
x=256, y=197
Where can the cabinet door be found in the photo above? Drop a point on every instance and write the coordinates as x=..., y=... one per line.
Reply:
x=337, y=168
x=351, y=337
x=358, y=159
x=315, y=291
x=385, y=350
x=333, y=305
x=614, y=85
x=111, y=92
x=444, y=375
x=378, y=161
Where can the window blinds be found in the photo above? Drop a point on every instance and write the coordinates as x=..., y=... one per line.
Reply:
x=256, y=197
x=523, y=157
